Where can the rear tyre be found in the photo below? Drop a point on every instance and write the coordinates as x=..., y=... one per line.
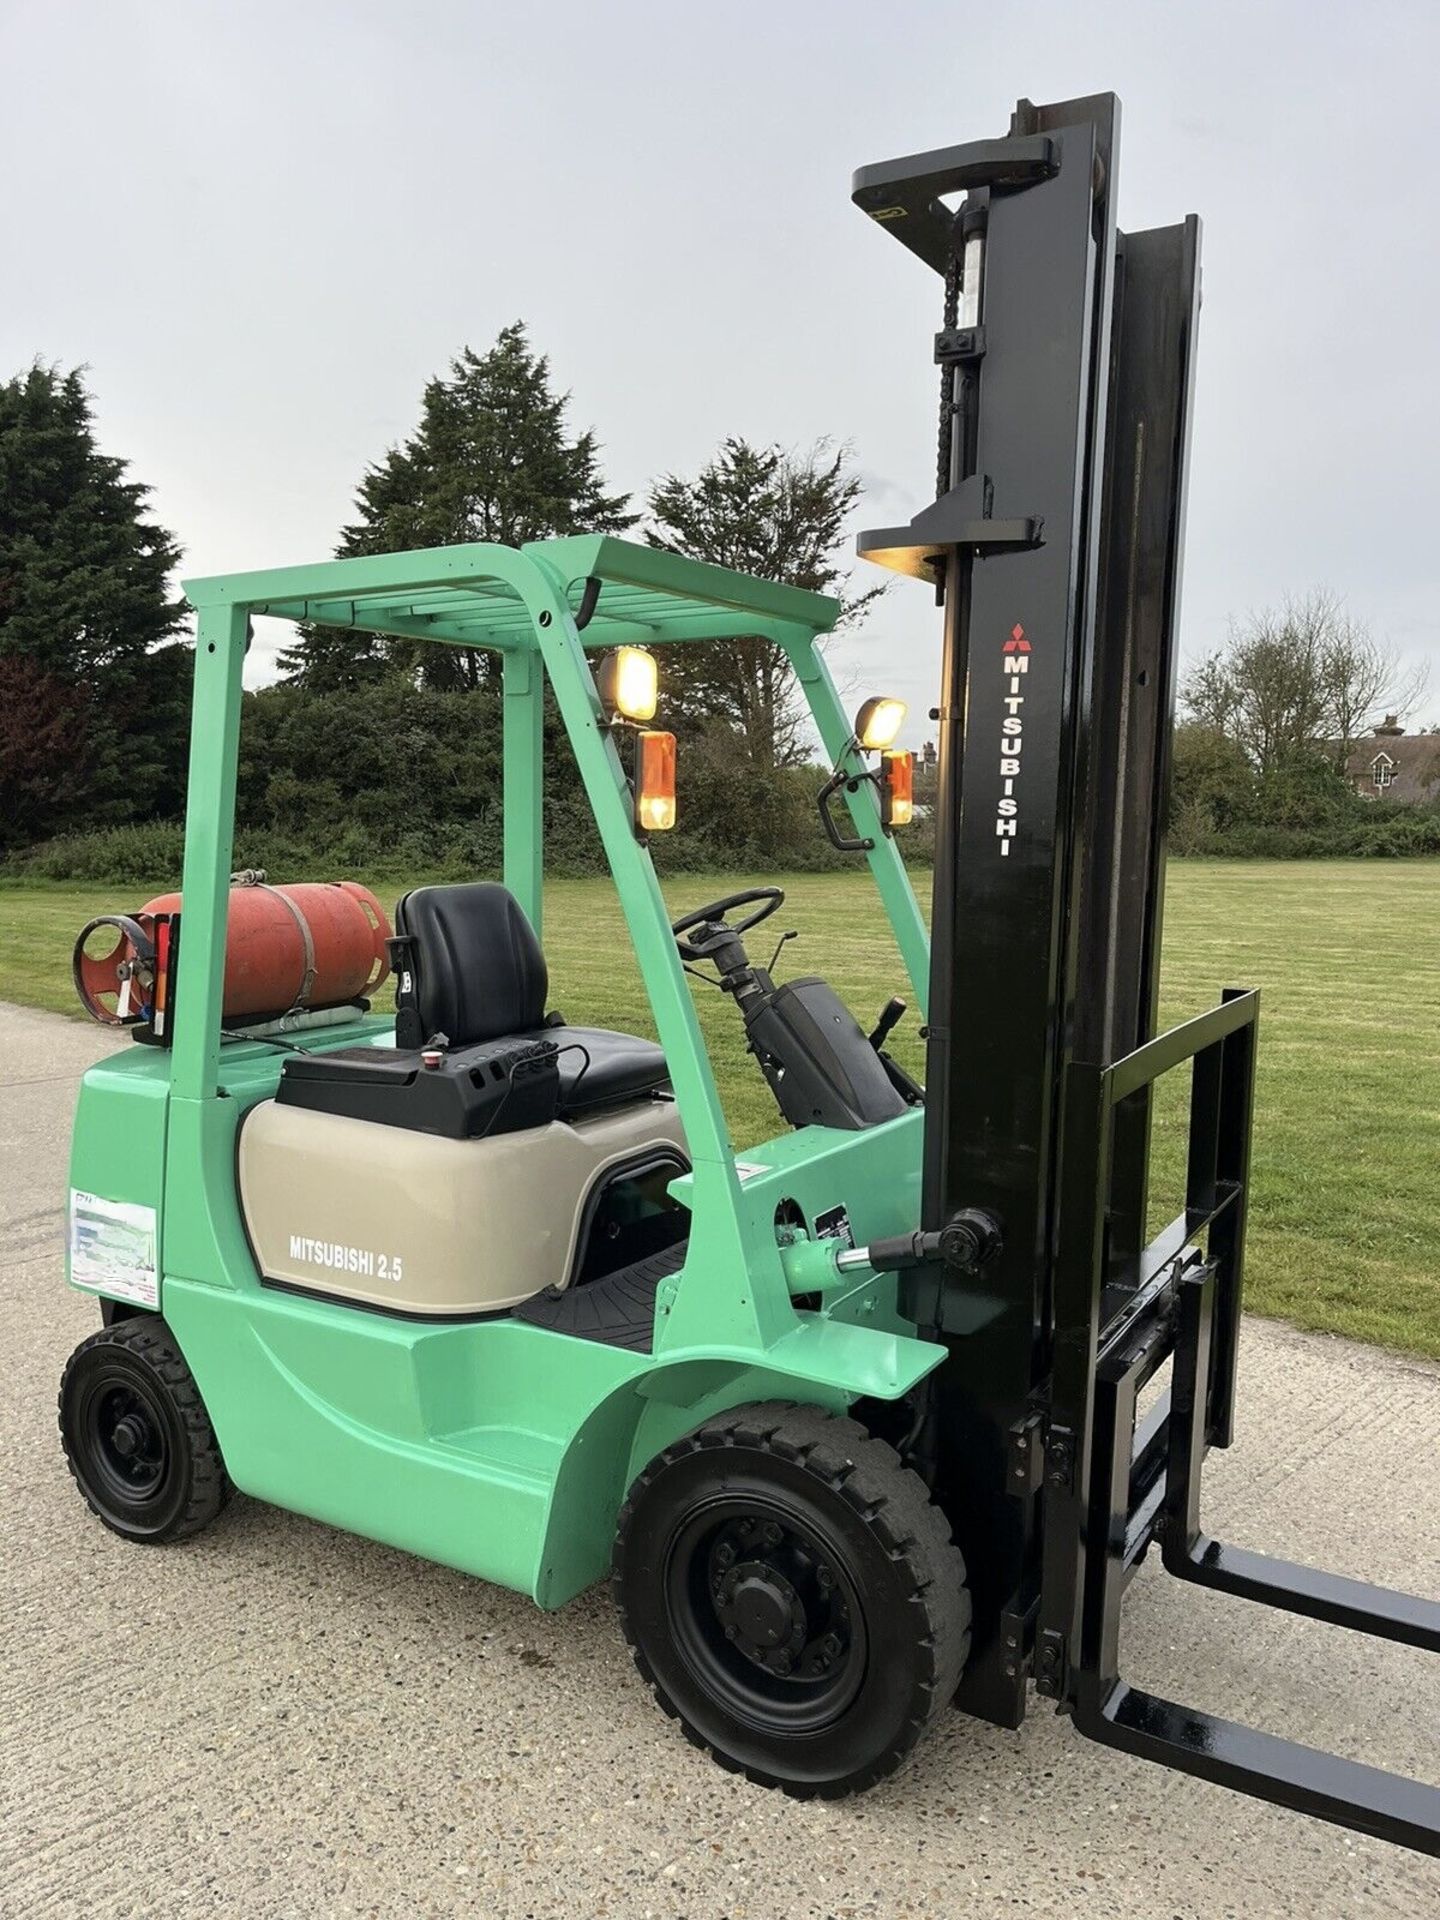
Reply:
x=793, y=1597
x=136, y=1434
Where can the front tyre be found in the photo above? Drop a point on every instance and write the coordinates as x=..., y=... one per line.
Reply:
x=793, y=1597
x=136, y=1434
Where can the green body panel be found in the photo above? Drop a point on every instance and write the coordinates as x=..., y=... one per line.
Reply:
x=117, y=1147
x=494, y=1446
x=523, y=816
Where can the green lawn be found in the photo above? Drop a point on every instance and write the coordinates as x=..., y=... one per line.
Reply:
x=1345, y=1226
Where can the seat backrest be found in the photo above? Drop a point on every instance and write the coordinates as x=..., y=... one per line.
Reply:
x=478, y=968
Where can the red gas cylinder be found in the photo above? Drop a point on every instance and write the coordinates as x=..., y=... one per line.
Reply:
x=305, y=946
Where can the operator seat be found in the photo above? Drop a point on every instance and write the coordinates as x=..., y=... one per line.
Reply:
x=471, y=983
x=477, y=973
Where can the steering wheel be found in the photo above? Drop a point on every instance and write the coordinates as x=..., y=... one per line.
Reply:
x=770, y=898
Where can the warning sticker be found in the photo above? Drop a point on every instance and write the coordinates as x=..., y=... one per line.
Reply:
x=112, y=1248
x=834, y=1225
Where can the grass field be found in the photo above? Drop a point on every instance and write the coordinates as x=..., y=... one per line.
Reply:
x=1345, y=1225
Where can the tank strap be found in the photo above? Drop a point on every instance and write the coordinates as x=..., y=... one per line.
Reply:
x=307, y=984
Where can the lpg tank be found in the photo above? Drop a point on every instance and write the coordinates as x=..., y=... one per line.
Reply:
x=312, y=945
x=316, y=944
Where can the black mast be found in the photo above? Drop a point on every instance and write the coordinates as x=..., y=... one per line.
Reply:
x=1052, y=725
x=1067, y=355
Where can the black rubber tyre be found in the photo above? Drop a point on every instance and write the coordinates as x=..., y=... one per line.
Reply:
x=793, y=1597
x=136, y=1435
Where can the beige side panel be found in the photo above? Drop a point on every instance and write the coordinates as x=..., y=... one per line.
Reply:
x=424, y=1225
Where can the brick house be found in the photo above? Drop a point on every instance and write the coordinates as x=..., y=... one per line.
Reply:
x=1394, y=765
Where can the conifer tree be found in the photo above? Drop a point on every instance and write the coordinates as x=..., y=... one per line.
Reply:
x=777, y=514
x=490, y=460
x=86, y=611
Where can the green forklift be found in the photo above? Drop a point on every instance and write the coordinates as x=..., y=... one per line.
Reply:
x=852, y=1419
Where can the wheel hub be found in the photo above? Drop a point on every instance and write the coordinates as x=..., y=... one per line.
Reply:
x=777, y=1602
x=128, y=1441
x=129, y=1437
x=762, y=1605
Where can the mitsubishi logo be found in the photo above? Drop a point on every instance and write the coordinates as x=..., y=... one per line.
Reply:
x=1015, y=665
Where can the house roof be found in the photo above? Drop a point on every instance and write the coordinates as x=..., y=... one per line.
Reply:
x=1414, y=767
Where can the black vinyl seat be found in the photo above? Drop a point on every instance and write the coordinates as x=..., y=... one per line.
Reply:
x=470, y=967
x=472, y=981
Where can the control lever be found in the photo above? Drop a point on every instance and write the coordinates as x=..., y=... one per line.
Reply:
x=908, y=1088
x=891, y=1014
x=793, y=934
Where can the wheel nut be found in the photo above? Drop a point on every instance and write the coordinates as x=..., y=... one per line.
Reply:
x=732, y=1633
x=725, y=1554
x=782, y=1662
x=772, y=1535
x=831, y=1644
x=824, y=1577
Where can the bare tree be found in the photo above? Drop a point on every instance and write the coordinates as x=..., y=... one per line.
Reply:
x=1209, y=694
x=1362, y=682
x=1302, y=678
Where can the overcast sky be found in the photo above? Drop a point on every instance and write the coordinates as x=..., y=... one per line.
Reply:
x=262, y=226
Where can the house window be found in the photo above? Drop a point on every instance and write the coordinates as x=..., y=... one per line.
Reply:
x=1382, y=771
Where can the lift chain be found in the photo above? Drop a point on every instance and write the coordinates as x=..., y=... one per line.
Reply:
x=948, y=371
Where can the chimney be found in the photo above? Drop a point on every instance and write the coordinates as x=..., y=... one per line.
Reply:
x=1391, y=728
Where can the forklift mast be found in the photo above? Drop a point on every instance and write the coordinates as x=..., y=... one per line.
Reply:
x=1054, y=545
